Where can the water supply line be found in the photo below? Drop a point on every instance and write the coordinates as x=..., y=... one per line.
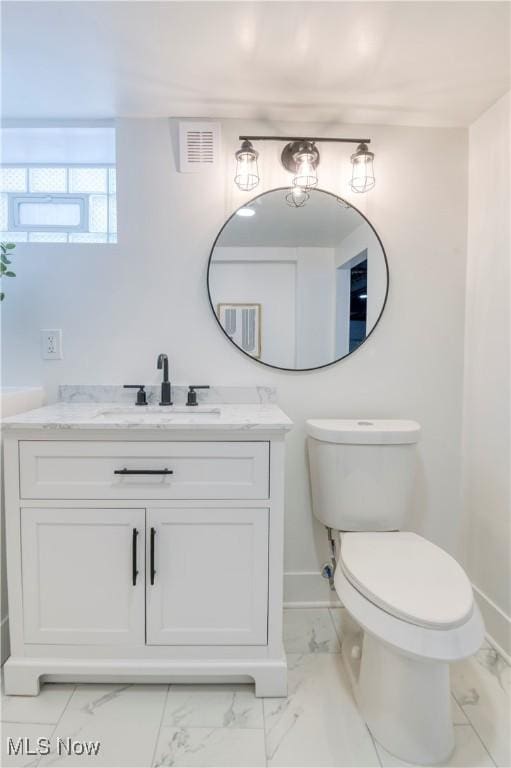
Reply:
x=328, y=569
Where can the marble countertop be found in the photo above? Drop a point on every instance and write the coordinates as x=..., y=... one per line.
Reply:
x=224, y=416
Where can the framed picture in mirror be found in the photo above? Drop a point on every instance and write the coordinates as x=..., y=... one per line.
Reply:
x=242, y=324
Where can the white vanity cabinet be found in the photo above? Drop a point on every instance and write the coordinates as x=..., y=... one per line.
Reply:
x=145, y=556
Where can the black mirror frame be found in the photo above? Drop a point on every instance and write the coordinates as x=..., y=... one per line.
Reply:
x=278, y=367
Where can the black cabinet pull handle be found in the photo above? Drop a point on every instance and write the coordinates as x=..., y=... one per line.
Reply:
x=143, y=471
x=134, y=572
x=153, y=572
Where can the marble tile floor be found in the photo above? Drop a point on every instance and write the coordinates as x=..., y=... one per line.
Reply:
x=225, y=725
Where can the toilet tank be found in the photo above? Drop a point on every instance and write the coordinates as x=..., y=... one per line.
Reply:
x=362, y=472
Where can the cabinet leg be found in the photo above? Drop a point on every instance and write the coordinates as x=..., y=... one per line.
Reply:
x=271, y=683
x=20, y=680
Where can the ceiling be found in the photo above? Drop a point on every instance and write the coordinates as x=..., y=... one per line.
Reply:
x=322, y=223
x=407, y=63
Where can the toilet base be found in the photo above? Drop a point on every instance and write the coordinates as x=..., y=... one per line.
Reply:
x=405, y=701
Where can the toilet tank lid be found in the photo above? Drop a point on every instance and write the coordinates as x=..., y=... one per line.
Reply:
x=364, y=431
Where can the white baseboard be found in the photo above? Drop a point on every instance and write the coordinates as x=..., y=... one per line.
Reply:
x=4, y=639
x=499, y=649
x=498, y=624
x=308, y=589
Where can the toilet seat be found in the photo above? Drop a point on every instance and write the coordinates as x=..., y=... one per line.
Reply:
x=410, y=639
x=408, y=577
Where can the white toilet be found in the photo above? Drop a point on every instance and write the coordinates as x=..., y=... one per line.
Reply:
x=411, y=604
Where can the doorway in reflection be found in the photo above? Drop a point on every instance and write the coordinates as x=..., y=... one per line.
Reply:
x=351, y=293
x=358, y=304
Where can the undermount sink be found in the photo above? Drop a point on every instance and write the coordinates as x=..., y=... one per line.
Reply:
x=158, y=413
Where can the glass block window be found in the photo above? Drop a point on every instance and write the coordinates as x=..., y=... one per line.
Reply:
x=56, y=204
x=13, y=179
x=47, y=179
x=88, y=180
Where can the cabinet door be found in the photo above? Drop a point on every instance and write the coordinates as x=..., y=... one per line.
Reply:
x=80, y=584
x=207, y=576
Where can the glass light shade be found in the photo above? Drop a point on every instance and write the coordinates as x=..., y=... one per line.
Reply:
x=247, y=172
x=297, y=197
x=362, y=178
x=306, y=176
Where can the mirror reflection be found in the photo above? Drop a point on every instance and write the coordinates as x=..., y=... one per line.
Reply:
x=297, y=287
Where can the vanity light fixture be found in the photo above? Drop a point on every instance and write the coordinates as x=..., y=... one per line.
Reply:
x=301, y=158
x=247, y=173
x=362, y=178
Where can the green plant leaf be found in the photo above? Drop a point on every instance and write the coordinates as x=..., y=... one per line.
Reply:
x=4, y=258
x=10, y=274
x=2, y=295
x=10, y=246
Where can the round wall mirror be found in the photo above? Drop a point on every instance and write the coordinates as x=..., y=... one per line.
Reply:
x=297, y=284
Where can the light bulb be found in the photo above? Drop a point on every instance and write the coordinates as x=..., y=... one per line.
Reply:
x=247, y=172
x=306, y=176
x=362, y=178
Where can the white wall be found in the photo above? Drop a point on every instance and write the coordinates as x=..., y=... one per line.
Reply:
x=120, y=305
x=315, y=316
x=486, y=433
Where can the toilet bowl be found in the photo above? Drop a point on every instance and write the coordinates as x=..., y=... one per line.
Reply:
x=410, y=604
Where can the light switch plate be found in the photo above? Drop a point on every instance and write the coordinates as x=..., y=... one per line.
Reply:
x=51, y=344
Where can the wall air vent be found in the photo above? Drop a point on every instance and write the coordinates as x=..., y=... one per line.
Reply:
x=199, y=146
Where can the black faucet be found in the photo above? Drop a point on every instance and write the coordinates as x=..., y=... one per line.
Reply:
x=166, y=392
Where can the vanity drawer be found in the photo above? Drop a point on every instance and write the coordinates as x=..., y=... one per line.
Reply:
x=61, y=469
